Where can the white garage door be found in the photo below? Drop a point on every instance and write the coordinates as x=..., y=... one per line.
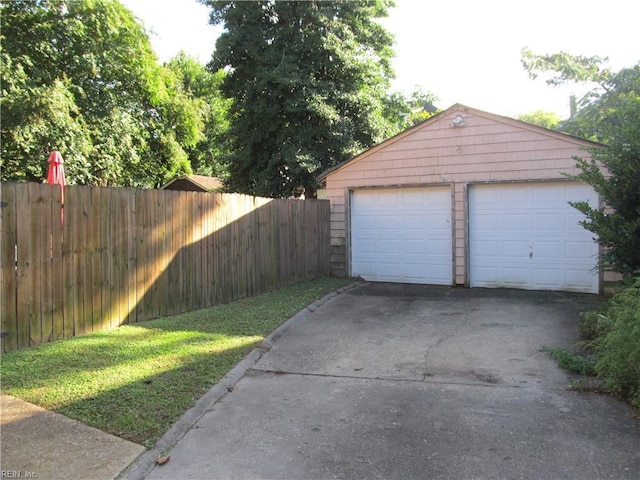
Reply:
x=527, y=236
x=402, y=235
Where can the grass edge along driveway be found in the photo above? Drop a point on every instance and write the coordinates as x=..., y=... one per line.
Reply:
x=135, y=381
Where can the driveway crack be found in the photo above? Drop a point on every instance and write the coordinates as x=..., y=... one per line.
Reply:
x=426, y=373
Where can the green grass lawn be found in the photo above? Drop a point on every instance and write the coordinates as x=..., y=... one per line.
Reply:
x=137, y=380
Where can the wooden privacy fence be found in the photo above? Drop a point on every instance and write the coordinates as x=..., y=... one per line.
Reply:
x=128, y=255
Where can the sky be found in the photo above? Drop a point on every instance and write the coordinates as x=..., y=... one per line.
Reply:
x=462, y=51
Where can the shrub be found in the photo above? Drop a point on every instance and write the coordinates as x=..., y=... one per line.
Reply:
x=572, y=361
x=617, y=342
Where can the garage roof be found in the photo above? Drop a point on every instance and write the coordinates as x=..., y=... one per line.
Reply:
x=459, y=106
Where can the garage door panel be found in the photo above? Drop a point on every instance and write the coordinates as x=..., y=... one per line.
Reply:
x=538, y=242
x=546, y=251
x=367, y=222
x=515, y=275
x=391, y=246
x=439, y=223
x=414, y=248
x=580, y=251
x=385, y=221
x=486, y=250
x=577, y=279
x=413, y=222
x=515, y=223
x=547, y=221
x=512, y=196
x=388, y=269
x=367, y=246
x=551, y=196
x=405, y=237
x=515, y=250
x=545, y=278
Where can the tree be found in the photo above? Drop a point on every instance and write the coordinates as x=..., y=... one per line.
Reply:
x=206, y=156
x=80, y=76
x=402, y=113
x=308, y=82
x=609, y=114
x=540, y=117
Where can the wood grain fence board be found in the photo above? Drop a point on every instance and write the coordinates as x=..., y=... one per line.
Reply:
x=24, y=259
x=88, y=234
x=274, y=243
x=234, y=247
x=308, y=240
x=222, y=247
x=175, y=265
x=217, y=242
x=40, y=324
x=8, y=241
x=76, y=218
x=116, y=258
x=123, y=270
x=326, y=238
x=251, y=259
x=185, y=265
x=110, y=258
x=180, y=263
x=46, y=284
x=196, y=252
x=68, y=262
x=152, y=268
x=104, y=263
x=260, y=248
x=221, y=233
x=271, y=242
x=299, y=247
x=141, y=255
x=180, y=259
x=33, y=293
x=187, y=253
x=57, y=266
x=241, y=252
x=207, y=231
x=132, y=262
x=289, y=259
x=151, y=287
x=172, y=245
x=96, y=245
x=163, y=254
x=146, y=257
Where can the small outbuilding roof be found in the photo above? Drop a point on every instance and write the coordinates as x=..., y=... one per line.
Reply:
x=194, y=183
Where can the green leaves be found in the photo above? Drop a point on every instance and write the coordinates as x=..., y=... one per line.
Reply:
x=614, y=172
x=609, y=114
x=80, y=76
x=308, y=80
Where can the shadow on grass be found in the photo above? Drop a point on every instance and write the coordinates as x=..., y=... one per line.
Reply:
x=143, y=410
x=145, y=379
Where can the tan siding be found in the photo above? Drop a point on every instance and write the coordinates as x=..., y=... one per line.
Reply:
x=487, y=149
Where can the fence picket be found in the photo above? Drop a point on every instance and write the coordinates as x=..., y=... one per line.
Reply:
x=8, y=240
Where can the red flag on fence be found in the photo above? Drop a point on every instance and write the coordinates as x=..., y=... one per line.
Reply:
x=55, y=176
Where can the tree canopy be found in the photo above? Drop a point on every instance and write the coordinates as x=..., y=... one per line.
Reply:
x=80, y=76
x=609, y=114
x=308, y=82
x=542, y=118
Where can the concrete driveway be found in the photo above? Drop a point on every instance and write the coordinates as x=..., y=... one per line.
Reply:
x=403, y=381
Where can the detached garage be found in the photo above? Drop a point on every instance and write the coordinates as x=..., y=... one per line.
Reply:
x=465, y=198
